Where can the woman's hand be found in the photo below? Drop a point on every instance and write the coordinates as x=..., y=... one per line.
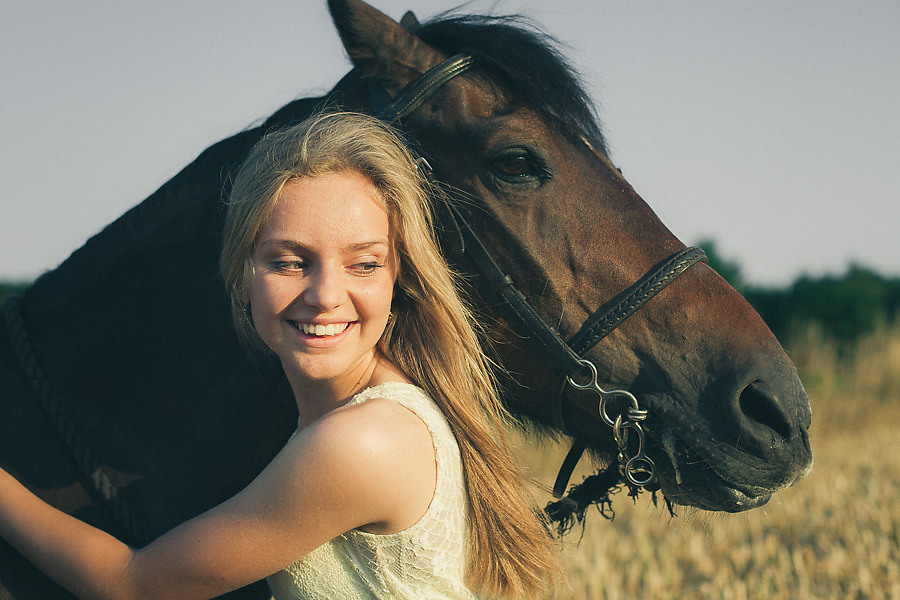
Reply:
x=62, y=546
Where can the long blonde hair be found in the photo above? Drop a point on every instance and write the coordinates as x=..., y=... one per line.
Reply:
x=432, y=336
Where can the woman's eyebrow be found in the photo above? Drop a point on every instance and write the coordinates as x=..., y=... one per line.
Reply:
x=281, y=244
x=299, y=246
x=366, y=245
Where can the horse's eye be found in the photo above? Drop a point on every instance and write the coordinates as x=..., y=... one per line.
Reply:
x=514, y=166
x=519, y=166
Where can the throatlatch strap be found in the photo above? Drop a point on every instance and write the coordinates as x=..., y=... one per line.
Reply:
x=579, y=445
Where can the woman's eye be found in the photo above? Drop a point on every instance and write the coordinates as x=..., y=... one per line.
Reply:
x=288, y=266
x=366, y=268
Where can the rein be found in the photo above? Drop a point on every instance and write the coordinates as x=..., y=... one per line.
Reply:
x=55, y=407
x=579, y=373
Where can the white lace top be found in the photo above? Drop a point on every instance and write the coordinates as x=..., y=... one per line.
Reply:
x=424, y=562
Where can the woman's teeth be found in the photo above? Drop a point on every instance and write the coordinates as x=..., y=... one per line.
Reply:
x=323, y=330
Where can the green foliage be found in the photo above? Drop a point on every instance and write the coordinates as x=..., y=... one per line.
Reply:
x=7, y=288
x=725, y=267
x=843, y=307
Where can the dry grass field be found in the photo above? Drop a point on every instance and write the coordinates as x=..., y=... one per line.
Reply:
x=832, y=535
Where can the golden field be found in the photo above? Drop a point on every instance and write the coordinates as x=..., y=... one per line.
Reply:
x=831, y=535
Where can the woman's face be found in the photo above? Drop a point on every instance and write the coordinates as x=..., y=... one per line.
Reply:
x=324, y=273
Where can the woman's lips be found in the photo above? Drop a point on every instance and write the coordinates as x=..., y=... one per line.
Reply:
x=322, y=335
x=320, y=330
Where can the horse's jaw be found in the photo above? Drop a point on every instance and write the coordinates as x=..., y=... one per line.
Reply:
x=686, y=480
x=697, y=473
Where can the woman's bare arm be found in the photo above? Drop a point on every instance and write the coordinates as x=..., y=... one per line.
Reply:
x=370, y=465
x=62, y=546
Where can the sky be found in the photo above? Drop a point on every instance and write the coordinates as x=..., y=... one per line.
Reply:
x=769, y=127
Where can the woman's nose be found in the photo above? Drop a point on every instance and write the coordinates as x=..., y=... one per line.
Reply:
x=325, y=290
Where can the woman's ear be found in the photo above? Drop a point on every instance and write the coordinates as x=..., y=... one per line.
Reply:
x=246, y=314
x=242, y=290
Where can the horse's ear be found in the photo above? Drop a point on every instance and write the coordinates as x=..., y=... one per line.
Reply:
x=380, y=46
x=410, y=22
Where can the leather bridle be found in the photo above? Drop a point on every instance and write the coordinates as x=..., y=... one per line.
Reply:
x=577, y=372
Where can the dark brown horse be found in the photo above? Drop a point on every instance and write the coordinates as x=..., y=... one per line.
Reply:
x=128, y=401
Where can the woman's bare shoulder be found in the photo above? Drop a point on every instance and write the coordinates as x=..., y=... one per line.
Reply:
x=380, y=450
x=374, y=434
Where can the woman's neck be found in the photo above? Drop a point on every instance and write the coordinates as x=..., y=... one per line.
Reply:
x=317, y=397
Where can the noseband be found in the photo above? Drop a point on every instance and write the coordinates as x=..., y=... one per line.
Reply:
x=577, y=372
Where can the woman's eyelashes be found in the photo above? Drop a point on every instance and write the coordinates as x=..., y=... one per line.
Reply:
x=368, y=267
x=293, y=265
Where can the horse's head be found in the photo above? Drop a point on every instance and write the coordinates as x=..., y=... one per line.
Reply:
x=515, y=140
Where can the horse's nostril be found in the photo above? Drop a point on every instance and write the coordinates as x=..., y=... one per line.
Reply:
x=758, y=404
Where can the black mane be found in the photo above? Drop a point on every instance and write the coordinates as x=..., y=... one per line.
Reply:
x=523, y=61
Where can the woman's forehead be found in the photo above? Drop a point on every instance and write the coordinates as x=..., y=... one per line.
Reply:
x=343, y=208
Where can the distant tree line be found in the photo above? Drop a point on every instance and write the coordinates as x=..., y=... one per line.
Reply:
x=844, y=307
x=8, y=288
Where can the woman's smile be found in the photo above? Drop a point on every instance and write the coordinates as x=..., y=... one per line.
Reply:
x=319, y=330
x=317, y=335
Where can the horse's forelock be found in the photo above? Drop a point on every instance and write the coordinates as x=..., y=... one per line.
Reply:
x=525, y=62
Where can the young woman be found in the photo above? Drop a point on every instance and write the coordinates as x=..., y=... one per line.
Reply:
x=394, y=485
